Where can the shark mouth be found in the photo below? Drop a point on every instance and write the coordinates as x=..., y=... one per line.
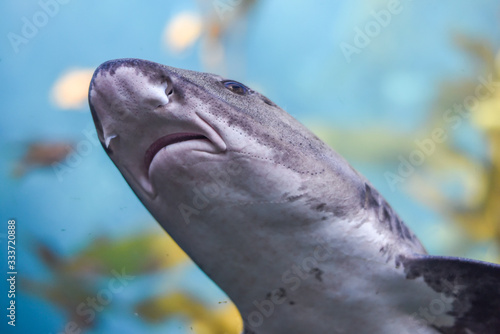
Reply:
x=163, y=142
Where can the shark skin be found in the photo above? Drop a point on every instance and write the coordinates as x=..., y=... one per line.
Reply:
x=298, y=240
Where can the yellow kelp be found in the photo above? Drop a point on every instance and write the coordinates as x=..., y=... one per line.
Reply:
x=86, y=284
x=476, y=203
x=202, y=319
x=139, y=254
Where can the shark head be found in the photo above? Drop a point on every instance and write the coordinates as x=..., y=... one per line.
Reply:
x=176, y=135
x=274, y=216
x=139, y=117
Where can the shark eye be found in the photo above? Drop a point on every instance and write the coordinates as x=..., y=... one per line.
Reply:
x=236, y=87
x=169, y=91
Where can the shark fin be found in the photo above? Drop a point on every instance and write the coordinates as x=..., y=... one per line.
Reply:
x=472, y=287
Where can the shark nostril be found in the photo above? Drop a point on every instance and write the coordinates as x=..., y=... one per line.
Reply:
x=163, y=100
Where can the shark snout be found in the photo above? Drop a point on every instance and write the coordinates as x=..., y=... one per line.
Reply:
x=128, y=90
x=147, y=68
x=137, y=82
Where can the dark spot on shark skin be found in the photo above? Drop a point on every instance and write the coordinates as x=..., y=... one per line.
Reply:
x=320, y=207
x=294, y=198
x=397, y=262
x=317, y=274
x=280, y=293
x=339, y=210
x=386, y=216
x=398, y=227
x=370, y=201
x=388, y=251
x=471, y=285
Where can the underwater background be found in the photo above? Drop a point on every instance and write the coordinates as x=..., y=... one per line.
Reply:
x=407, y=91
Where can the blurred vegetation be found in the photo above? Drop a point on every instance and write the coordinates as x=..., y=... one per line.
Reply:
x=41, y=155
x=203, y=320
x=84, y=275
x=463, y=184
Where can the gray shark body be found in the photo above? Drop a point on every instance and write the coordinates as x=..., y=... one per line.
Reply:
x=298, y=239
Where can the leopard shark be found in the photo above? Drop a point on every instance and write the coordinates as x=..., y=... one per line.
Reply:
x=297, y=239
